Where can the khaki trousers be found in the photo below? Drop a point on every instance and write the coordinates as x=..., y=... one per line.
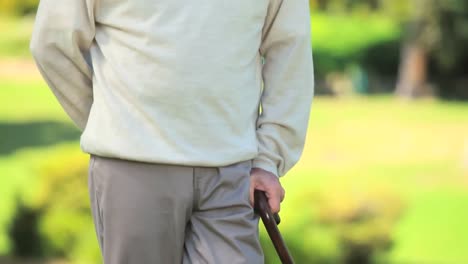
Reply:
x=156, y=213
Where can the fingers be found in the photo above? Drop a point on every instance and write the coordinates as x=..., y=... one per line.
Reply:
x=269, y=183
x=275, y=203
x=275, y=194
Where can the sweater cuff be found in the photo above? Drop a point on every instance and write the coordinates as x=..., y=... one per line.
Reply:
x=265, y=165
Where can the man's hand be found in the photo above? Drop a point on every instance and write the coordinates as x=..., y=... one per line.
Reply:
x=270, y=184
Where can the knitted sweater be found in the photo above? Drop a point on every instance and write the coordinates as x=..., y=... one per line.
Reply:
x=199, y=83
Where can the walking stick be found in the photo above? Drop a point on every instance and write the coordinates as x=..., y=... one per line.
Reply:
x=271, y=221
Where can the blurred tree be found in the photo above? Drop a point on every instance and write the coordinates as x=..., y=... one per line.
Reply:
x=437, y=33
x=419, y=40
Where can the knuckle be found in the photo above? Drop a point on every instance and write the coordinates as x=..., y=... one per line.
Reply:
x=277, y=209
x=279, y=189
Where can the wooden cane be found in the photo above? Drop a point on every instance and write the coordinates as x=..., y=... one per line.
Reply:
x=271, y=221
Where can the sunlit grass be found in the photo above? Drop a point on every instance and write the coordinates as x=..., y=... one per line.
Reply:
x=434, y=230
x=418, y=150
x=15, y=36
x=28, y=101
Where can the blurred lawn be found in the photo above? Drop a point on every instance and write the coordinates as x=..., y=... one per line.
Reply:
x=23, y=101
x=418, y=149
x=14, y=40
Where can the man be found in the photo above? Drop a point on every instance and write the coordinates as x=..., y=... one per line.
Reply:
x=186, y=107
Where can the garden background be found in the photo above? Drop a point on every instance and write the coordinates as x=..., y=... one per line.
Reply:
x=383, y=177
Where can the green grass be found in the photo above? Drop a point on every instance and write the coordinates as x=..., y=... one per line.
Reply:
x=434, y=231
x=16, y=33
x=418, y=150
x=28, y=101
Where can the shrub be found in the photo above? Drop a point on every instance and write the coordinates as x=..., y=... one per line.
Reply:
x=340, y=41
x=332, y=225
x=338, y=225
x=61, y=196
x=18, y=7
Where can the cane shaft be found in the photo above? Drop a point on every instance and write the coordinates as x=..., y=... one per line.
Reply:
x=270, y=223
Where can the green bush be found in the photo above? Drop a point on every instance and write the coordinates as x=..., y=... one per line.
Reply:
x=364, y=220
x=18, y=7
x=340, y=41
x=15, y=182
x=339, y=225
x=332, y=226
x=61, y=199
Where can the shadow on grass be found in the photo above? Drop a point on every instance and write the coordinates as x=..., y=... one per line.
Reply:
x=14, y=136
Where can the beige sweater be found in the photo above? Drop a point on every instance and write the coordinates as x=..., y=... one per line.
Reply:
x=180, y=82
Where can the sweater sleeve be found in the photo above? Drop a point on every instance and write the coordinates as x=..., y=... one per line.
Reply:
x=62, y=35
x=288, y=86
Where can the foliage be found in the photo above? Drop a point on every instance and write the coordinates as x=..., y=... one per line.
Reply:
x=363, y=220
x=61, y=196
x=337, y=224
x=342, y=40
x=61, y=199
x=18, y=7
x=339, y=41
x=362, y=34
x=13, y=176
x=63, y=225
x=16, y=185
